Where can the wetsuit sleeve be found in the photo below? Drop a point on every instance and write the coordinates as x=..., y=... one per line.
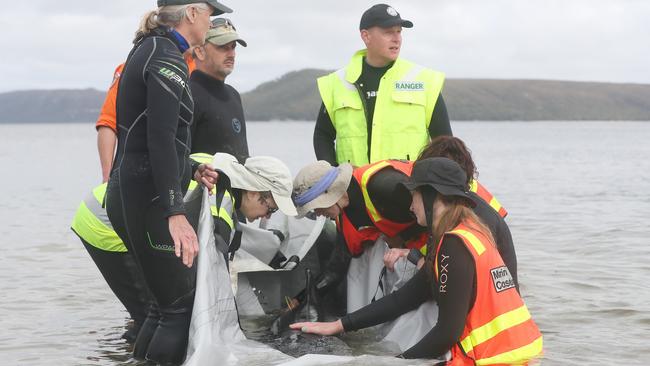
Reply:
x=197, y=117
x=336, y=268
x=440, y=124
x=245, y=147
x=507, y=249
x=414, y=292
x=454, y=297
x=324, y=137
x=165, y=85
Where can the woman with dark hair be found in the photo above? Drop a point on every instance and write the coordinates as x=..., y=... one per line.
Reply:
x=487, y=207
x=152, y=169
x=482, y=319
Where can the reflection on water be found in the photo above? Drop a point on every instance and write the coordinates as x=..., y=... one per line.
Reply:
x=576, y=193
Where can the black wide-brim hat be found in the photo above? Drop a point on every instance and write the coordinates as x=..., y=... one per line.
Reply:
x=443, y=175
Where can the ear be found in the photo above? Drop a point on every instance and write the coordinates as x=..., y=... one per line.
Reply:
x=199, y=51
x=190, y=14
x=365, y=36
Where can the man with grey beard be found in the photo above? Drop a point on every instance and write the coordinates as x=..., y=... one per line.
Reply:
x=219, y=124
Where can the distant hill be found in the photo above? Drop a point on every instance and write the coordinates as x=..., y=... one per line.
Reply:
x=294, y=97
x=79, y=105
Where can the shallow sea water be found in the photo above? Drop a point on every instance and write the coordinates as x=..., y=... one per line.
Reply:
x=576, y=193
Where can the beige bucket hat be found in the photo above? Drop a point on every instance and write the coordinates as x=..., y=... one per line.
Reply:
x=319, y=185
x=259, y=174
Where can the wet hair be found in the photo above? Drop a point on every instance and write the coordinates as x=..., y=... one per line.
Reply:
x=453, y=148
x=165, y=16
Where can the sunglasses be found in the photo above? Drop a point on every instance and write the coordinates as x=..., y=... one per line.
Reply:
x=222, y=22
x=269, y=210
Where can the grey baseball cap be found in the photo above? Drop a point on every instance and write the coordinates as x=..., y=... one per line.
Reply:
x=223, y=32
x=219, y=8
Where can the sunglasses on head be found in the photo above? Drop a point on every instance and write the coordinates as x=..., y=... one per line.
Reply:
x=222, y=22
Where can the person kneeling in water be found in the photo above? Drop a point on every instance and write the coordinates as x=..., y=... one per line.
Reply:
x=463, y=272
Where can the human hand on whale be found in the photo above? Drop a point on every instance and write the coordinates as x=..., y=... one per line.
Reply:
x=321, y=328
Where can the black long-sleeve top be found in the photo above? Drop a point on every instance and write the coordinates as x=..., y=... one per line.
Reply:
x=154, y=112
x=219, y=124
x=455, y=298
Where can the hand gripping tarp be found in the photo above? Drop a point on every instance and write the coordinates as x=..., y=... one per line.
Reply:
x=366, y=282
x=215, y=336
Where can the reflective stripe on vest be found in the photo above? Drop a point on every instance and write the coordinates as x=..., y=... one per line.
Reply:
x=406, y=97
x=225, y=212
x=354, y=237
x=91, y=223
x=498, y=328
x=486, y=196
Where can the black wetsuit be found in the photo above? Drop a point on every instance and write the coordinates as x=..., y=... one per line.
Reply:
x=368, y=84
x=219, y=124
x=454, y=301
x=147, y=184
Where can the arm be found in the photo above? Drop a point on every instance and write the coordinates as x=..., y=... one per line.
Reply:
x=336, y=269
x=454, y=299
x=414, y=292
x=163, y=108
x=507, y=249
x=408, y=297
x=324, y=137
x=106, y=141
x=440, y=124
x=106, y=126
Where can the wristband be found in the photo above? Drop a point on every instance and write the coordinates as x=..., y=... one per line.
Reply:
x=414, y=256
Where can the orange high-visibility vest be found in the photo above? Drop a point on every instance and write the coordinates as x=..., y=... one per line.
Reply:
x=498, y=328
x=355, y=237
x=482, y=192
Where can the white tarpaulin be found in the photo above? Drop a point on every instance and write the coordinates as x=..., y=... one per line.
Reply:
x=215, y=336
x=365, y=282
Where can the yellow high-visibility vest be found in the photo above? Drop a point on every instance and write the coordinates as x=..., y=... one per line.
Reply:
x=406, y=97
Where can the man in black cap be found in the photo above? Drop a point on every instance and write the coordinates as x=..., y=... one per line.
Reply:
x=379, y=106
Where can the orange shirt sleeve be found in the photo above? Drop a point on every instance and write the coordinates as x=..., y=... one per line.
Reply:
x=107, y=117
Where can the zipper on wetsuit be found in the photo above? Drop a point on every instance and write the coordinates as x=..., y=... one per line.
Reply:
x=365, y=113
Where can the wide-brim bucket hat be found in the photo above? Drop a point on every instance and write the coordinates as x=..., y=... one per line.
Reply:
x=259, y=174
x=320, y=185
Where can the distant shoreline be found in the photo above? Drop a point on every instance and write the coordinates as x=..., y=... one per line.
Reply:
x=294, y=97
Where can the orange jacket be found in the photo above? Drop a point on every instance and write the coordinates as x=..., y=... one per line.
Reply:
x=498, y=328
x=355, y=237
x=107, y=116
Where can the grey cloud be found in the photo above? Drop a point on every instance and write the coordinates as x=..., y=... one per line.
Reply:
x=78, y=43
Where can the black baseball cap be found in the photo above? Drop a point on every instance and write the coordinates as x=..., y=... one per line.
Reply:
x=383, y=16
x=219, y=8
x=442, y=174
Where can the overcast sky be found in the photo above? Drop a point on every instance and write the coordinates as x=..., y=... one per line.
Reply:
x=78, y=43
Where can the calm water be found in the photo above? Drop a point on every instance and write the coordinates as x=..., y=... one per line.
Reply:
x=577, y=194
